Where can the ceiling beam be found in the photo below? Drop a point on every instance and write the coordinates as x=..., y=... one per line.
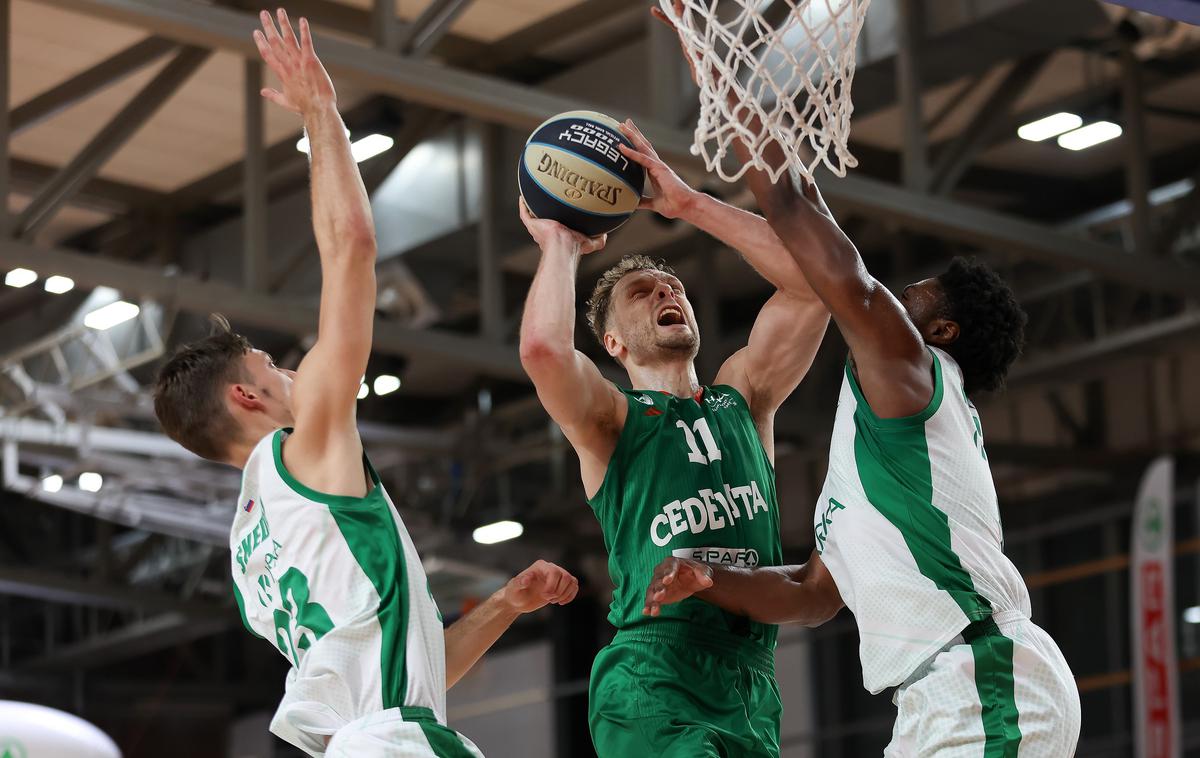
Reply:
x=1074, y=362
x=137, y=639
x=245, y=308
x=1005, y=233
x=410, y=79
x=428, y=28
x=111, y=137
x=958, y=156
x=54, y=587
x=97, y=194
x=87, y=83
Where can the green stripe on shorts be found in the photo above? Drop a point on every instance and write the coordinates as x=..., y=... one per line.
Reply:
x=444, y=741
x=994, y=681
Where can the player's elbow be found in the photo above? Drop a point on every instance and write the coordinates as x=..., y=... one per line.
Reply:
x=354, y=241
x=360, y=245
x=540, y=351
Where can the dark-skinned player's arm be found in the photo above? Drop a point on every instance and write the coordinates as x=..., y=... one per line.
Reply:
x=891, y=361
x=790, y=326
x=472, y=635
x=588, y=408
x=326, y=443
x=803, y=594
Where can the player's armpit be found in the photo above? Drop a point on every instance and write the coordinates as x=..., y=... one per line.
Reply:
x=783, y=343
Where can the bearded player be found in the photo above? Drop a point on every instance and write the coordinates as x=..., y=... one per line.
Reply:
x=323, y=567
x=674, y=467
x=908, y=529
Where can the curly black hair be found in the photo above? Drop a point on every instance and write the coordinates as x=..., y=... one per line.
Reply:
x=990, y=321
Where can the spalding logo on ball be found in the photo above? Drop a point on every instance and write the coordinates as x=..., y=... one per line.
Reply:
x=573, y=173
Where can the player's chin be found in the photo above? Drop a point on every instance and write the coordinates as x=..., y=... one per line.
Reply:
x=677, y=337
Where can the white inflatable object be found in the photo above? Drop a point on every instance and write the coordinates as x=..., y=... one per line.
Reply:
x=35, y=731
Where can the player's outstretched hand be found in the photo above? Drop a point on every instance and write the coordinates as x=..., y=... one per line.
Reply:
x=539, y=585
x=305, y=84
x=550, y=234
x=675, y=579
x=672, y=196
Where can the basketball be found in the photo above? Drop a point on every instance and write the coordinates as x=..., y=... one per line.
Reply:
x=572, y=172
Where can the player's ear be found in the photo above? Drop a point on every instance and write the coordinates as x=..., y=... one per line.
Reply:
x=942, y=331
x=613, y=345
x=244, y=396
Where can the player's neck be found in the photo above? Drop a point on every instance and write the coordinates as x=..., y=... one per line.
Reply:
x=252, y=433
x=677, y=378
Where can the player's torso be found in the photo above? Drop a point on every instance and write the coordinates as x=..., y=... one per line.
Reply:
x=908, y=525
x=690, y=478
x=335, y=584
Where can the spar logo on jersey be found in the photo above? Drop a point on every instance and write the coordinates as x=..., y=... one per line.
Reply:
x=726, y=556
x=718, y=401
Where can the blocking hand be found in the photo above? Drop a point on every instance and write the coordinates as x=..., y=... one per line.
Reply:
x=675, y=579
x=306, y=86
x=671, y=194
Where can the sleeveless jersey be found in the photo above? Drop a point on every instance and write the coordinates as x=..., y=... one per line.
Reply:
x=335, y=584
x=909, y=526
x=689, y=477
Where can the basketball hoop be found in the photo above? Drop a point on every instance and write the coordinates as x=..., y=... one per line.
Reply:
x=794, y=76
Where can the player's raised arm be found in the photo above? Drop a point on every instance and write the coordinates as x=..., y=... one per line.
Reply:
x=327, y=380
x=890, y=358
x=470, y=637
x=891, y=361
x=588, y=407
x=804, y=594
x=789, y=328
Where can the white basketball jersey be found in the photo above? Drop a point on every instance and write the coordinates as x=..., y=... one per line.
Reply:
x=909, y=526
x=335, y=584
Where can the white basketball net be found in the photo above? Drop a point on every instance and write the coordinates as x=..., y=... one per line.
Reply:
x=794, y=76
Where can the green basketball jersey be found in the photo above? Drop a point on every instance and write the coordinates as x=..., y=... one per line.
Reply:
x=690, y=478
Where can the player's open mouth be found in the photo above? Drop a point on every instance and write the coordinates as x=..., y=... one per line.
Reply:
x=670, y=316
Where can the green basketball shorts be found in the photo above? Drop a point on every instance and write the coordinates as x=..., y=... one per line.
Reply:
x=671, y=689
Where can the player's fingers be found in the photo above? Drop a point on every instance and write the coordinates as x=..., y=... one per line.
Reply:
x=265, y=51
x=526, y=216
x=639, y=139
x=571, y=593
x=630, y=130
x=592, y=244
x=271, y=32
x=640, y=158
x=567, y=592
x=285, y=29
x=306, y=43
x=561, y=580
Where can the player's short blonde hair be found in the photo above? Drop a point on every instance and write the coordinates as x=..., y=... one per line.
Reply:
x=600, y=302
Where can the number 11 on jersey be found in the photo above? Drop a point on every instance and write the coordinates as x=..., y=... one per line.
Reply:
x=711, y=453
